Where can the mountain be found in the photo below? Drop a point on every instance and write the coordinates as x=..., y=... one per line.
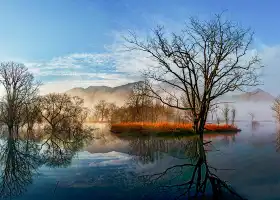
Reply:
x=255, y=95
x=93, y=94
x=120, y=94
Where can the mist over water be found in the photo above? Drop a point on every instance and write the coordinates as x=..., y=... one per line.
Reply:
x=261, y=110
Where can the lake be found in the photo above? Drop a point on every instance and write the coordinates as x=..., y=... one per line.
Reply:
x=111, y=168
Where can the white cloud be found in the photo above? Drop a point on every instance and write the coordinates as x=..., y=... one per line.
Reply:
x=116, y=66
x=83, y=70
x=112, y=158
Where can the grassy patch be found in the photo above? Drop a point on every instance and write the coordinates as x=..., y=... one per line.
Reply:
x=167, y=129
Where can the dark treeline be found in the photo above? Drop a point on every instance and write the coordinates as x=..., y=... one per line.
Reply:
x=141, y=107
x=22, y=108
x=35, y=130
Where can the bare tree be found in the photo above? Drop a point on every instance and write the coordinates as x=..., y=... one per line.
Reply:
x=276, y=108
x=252, y=116
x=141, y=103
x=206, y=60
x=101, y=108
x=225, y=111
x=20, y=90
x=233, y=115
x=213, y=111
x=31, y=115
x=62, y=113
x=112, y=107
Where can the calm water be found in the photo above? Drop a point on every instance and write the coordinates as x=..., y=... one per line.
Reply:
x=109, y=167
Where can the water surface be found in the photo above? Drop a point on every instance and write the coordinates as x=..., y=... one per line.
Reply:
x=109, y=167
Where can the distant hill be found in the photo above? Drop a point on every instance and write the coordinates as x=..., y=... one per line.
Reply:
x=255, y=95
x=120, y=94
x=93, y=94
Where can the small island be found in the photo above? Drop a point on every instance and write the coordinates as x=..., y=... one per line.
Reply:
x=167, y=129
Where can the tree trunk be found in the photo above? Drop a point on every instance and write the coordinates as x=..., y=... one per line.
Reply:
x=10, y=130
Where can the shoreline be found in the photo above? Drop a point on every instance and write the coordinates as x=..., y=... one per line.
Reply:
x=167, y=129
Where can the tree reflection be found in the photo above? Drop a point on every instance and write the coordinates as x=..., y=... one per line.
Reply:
x=19, y=159
x=59, y=146
x=151, y=149
x=195, y=179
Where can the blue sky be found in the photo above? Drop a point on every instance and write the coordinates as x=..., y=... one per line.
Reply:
x=65, y=43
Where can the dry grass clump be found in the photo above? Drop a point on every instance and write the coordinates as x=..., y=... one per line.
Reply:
x=167, y=126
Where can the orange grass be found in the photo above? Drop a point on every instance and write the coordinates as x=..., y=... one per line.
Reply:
x=166, y=126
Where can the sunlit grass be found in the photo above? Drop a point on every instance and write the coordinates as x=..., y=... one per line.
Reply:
x=168, y=127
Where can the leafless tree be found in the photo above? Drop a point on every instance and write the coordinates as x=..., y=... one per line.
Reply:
x=31, y=115
x=101, y=108
x=64, y=131
x=252, y=116
x=233, y=115
x=62, y=113
x=21, y=155
x=20, y=90
x=206, y=60
x=112, y=107
x=277, y=140
x=218, y=120
x=213, y=111
x=276, y=108
x=141, y=103
x=225, y=111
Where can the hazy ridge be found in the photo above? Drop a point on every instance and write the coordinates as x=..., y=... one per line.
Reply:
x=257, y=101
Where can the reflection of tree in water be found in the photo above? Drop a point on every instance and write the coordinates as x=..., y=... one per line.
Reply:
x=59, y=147
x=194, y=179
x=152, y=149
x=21, y=157
x=227, y=139
x=18, y=159
x=64, y=132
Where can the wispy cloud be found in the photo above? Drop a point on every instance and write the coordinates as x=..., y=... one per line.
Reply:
x=117, y=66
x=112, y=68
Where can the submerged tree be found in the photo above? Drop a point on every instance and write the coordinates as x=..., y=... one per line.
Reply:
x=20, y=90
x=64, y=130
x=206, y=60
x=59, y=110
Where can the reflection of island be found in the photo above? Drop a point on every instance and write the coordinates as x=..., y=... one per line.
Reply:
x=104, y=141
x=193, y=179
x=151, y=149
x=226, y=138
